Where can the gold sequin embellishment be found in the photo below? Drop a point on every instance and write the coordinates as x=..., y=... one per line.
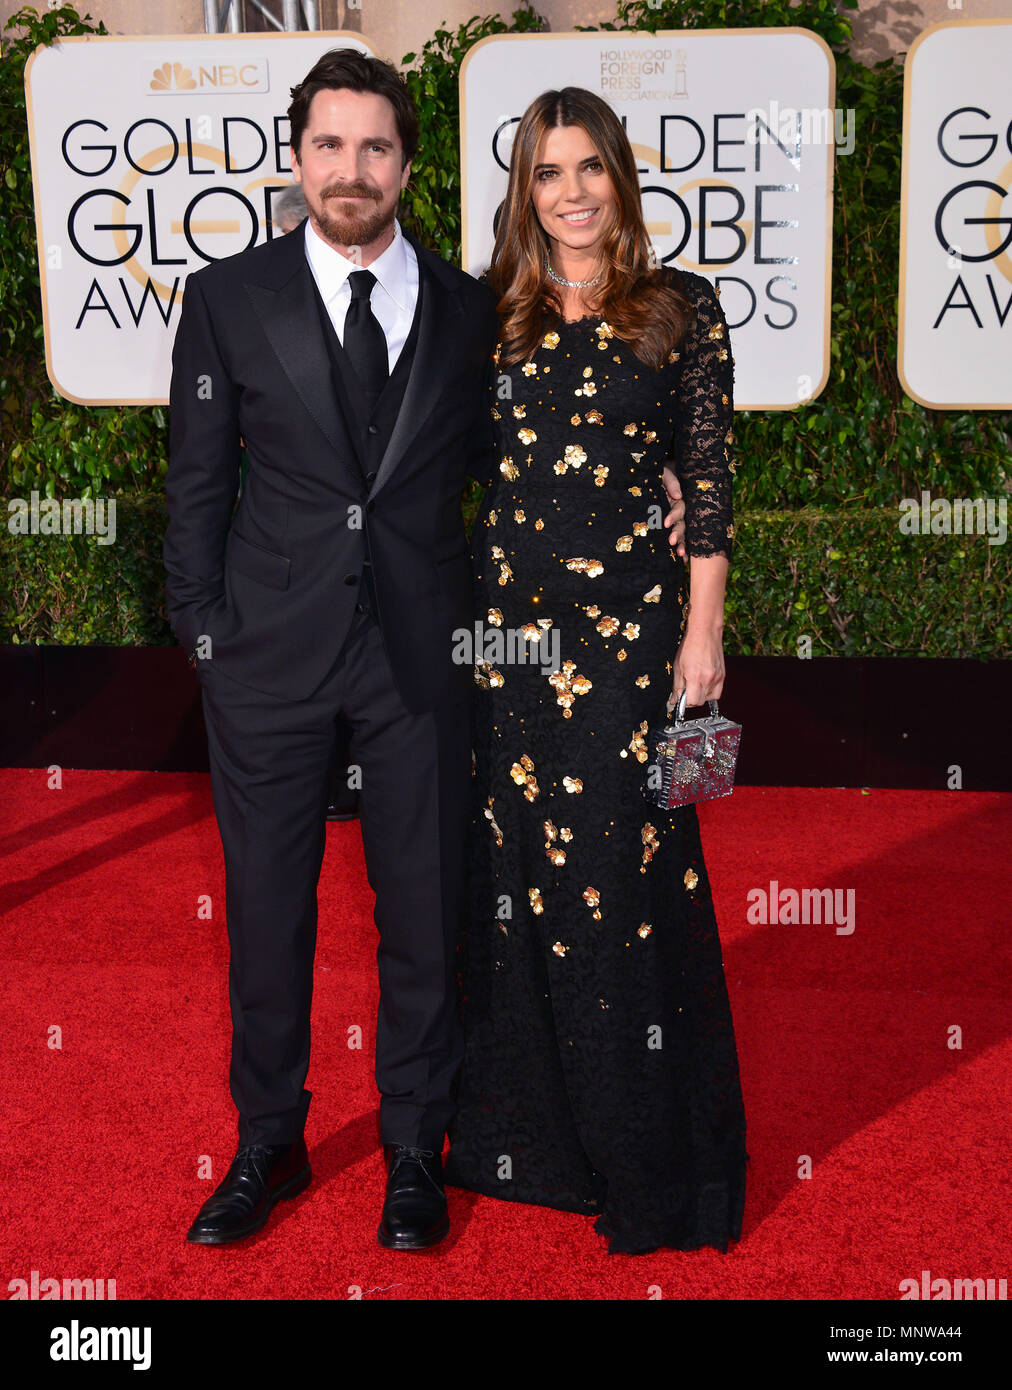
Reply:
x=591, y=568
x=574, y=457
x=491, y=818
x=487, y=677
x=568, y=685
x=555, y=855
x=638, y=744
x=523, y=774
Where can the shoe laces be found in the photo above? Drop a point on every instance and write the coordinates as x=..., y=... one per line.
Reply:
x=253, y=1156
x=406, y=1153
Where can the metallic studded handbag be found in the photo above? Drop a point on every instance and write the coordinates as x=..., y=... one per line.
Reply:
x=691, y=760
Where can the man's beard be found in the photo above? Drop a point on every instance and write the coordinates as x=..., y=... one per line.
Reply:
x=352, y=228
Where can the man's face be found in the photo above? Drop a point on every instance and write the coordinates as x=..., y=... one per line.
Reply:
x=350, y=170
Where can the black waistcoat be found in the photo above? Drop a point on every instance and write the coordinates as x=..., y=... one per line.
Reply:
x=370, y=429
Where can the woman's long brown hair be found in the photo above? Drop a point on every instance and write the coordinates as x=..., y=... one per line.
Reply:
x=642, y=303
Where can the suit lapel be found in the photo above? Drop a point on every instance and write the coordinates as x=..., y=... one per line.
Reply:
x=430, y=367
x=284, y=302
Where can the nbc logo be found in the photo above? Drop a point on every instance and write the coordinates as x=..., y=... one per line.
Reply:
x=171, y=78
x=171, y=75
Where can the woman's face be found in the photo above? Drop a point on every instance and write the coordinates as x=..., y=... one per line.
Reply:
x=572, y=194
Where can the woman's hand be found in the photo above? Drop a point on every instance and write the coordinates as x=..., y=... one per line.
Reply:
x=676, y=516
x=699, y=666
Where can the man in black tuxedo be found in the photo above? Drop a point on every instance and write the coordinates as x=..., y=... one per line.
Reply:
x=353, y=362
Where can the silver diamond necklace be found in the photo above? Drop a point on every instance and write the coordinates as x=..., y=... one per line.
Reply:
x=571, y=284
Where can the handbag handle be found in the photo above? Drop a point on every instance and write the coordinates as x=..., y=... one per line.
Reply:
x=679, y=711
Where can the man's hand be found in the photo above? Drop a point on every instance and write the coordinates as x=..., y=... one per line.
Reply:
x=676, y=516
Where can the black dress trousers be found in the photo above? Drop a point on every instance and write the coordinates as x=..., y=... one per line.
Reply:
x=271, y=761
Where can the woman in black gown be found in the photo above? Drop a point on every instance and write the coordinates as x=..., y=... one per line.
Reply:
x=600, y=1072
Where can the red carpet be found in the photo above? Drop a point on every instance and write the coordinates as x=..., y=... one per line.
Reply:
x=844, y=1042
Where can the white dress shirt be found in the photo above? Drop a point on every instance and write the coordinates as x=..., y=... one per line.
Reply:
x=394, y=294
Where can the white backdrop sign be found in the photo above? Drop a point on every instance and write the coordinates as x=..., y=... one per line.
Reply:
x=150, y=158
x=733, y=132
x=955, y=302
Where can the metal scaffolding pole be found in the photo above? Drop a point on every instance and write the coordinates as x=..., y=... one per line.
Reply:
x=310, y=12
x=270, y=18
x=215, y=14
x=293, y=13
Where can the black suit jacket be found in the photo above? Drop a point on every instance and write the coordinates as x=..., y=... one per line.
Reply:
x=275, y=582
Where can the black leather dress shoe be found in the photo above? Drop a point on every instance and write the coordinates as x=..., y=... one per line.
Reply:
x=260, y=1175
x=414, y=1212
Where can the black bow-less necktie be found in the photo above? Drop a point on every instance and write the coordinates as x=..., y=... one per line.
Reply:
x=364, y=339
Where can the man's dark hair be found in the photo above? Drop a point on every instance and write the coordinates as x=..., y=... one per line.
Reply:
x=359, y=72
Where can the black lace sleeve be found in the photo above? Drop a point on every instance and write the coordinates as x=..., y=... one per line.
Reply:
x=703, y=401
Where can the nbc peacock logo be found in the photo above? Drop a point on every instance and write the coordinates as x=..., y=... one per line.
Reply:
x=172, y=77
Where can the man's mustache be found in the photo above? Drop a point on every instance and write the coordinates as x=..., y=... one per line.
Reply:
x=351, y=190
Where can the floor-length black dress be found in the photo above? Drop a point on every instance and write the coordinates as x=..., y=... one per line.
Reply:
x=600, y=1072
